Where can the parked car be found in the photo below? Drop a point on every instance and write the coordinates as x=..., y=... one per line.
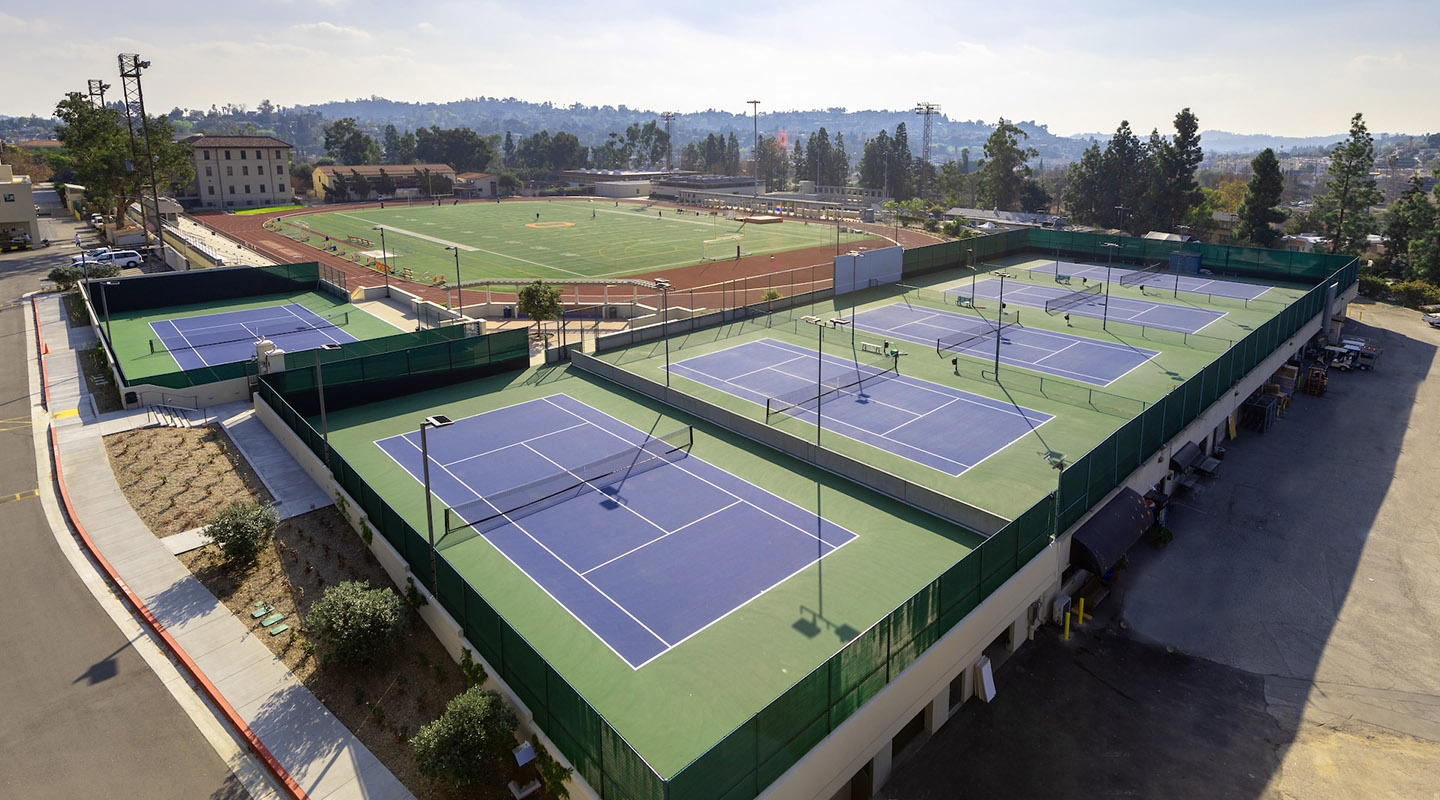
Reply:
x=120, y=258
x=89, y=255
x=1433, y=319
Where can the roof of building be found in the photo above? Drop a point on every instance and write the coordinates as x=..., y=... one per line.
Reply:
x=474, y=176
x=201, y=140
x=38, y=143
x=392, y=170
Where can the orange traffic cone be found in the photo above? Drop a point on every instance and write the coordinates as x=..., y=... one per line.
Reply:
x=47, y=349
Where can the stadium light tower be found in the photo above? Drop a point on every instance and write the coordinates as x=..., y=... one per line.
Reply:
x=97, y=92
x=755, y=145
x=928, y=111
x=669, y=117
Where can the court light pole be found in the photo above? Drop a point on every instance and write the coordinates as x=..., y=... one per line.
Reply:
x=973, y=272
x=820, y=326
x=663, y=287
x=459, y=301
x=755, y=146
x=1109, y=262
x=436, y=421
x=999, y=322
x=105, y=301
x=855, y=256
x=384, y=259
x=320, y=389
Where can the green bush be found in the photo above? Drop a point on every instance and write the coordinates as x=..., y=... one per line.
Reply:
x=1373, y=285
x=464, y=745
x=1415, y=293
x=65, y=278
x=552, y=773
x=242, y=530
x=355, y=624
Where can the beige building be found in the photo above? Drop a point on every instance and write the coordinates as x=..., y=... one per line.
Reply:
x=410, y=180
x=18, y=224
x=236, y=172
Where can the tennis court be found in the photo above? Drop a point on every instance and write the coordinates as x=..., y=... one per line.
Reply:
x=643, y=543
x=1184, y=319
x=1163, y=279
x=230, y=336
x=1060, y=354
x=929, y=423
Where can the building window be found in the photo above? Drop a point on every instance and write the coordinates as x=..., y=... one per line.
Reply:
x=245, y=170
x=230, y=171
x=227, y=155
x=242, y=155
x=259, y=170
x=211, y=188
x=258, y=156
x=232, y=190
x=280, y=187
x=278, y=155
x=209, y=171
x=262, y=188
x=9, y=198
x=207, y=154
x=247, y=188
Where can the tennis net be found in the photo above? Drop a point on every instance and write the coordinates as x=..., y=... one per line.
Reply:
x=489, y=512
x=299, y=326
x=862, y=374
x=958, y=342
x=1144, y=275
x=1068, y=301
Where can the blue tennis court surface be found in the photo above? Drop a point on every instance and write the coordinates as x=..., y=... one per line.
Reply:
x=1194, y=284
x=230, y=336
x=928, y=423
x=1063, y=355
x=644, y=557
x=1185, y=319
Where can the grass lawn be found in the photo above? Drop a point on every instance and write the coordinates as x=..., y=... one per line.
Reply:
x=543, y=239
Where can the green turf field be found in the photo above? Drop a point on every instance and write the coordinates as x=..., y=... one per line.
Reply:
x=131, y=332
x=570, y=239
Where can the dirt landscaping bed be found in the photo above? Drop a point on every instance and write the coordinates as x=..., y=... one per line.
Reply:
x=170, y=473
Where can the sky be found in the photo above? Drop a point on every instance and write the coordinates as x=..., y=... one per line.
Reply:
x=1285, y=69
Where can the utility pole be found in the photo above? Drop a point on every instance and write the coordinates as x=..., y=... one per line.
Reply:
x=755, y=144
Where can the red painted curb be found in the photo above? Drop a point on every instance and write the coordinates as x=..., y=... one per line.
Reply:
x=281, y=774
x=40, y=352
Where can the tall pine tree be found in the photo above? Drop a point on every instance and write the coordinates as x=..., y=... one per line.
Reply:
x=1350, y=191
x=1259, y=210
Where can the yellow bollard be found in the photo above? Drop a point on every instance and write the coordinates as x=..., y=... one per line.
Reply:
x=1080, y=615
x=1067, y=625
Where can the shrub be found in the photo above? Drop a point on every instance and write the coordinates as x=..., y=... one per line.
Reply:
x=552, y=773
x=771, y=295
x=65, y=278
x=1373, y=285
x=356, y=624
x=464, y=744
x=242, y=530
x=1416, y=293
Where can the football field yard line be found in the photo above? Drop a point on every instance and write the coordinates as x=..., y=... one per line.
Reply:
x=469, y=249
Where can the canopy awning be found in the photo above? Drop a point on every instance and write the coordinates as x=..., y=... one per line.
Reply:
x=1103, y=539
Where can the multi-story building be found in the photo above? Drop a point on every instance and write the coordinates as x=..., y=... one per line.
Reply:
x=18, y=226
x=234, y=172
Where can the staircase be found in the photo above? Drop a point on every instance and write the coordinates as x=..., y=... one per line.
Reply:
x=172, y=417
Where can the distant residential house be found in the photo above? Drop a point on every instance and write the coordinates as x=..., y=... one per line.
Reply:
x=410, y=180
x=233, y=172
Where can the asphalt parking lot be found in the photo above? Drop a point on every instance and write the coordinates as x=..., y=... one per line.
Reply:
x=1283, y=646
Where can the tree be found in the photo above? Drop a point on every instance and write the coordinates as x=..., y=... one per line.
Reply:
x=1408, y=220
x=359, y=185
x=1034, y=197
x=465, y=743
x=1344, y=207
x=540, y=301
x=242, y=530
x=98, y=151
x=383, y=184
x=1005, y=171
x=350, y=146
x=771, y=165
x=1175, y=191
x=355, y=624
x=508, y=183
x=399, y=148
x=1259, y=212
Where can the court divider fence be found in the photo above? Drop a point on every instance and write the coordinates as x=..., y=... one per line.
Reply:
x=753, y=755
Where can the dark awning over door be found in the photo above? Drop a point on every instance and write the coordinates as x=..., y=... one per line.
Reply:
x=1102, y=540
x=1185, y=457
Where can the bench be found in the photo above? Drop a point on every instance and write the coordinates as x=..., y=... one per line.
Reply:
x=1065, y=279
x=871, y=347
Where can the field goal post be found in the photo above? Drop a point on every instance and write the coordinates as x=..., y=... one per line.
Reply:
x=725, y=247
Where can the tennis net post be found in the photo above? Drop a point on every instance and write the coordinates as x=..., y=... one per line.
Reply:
x=556, y=488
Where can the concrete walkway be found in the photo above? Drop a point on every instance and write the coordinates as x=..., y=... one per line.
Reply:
x=317, y=750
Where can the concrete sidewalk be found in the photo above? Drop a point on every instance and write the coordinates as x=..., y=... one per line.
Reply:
x=317, y=750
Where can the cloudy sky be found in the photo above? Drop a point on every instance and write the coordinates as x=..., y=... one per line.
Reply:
x=1295, y=69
